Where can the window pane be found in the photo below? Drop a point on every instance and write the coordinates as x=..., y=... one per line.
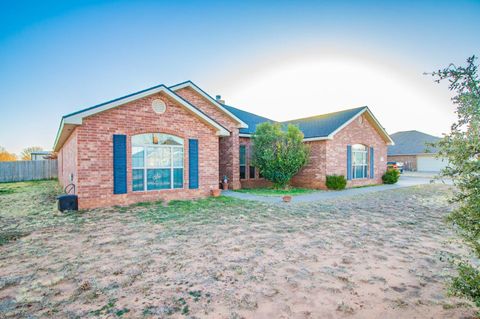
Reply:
x=242, y=154
x=357, y=158
x=142, y=139
x=158, y=178
x=177, y=157
x=137, y=180
x=252, y=172
x=165, y=139
x=178, y=178
x=158, y=157
x=359, y=147
x=137, y=157
x=242, y=172
x=156, y=139
x=359, y=172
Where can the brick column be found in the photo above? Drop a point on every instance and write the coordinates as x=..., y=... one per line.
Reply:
x=229, y=160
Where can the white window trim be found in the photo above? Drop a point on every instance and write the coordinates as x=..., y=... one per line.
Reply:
x=364, y=165
x=172, y=167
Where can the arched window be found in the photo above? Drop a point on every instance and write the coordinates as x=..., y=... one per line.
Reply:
x=157, y=162
x=359, y=161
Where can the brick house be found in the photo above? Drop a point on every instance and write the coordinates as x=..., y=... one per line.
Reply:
x=413, y=149
x=178, y=142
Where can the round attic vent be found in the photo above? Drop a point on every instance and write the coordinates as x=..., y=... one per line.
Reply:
x=159, y=106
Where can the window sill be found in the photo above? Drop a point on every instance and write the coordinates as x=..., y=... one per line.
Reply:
x=157, y=190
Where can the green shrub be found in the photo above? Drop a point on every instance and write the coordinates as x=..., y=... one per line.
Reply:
x=391, y=176
x=467, y=284
x=279, y=152
x=336, y=182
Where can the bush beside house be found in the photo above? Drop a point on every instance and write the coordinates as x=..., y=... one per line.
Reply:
x=279, y=154
x=336, y=182
x=391, y=176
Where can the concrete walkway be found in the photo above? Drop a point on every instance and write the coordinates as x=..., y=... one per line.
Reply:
x=405, y=181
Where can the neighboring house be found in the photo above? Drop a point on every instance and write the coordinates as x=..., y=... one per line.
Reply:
x=411, y=148
x=40, y=155
x=178, y=142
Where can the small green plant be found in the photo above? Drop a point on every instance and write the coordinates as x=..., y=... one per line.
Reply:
x=336, y=182
x=467, y=284
x=391, y=176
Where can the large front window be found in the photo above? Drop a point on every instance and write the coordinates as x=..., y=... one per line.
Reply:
x=359, y=161
x=157, y=162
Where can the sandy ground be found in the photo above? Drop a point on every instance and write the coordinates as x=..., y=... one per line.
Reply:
x=380, y=255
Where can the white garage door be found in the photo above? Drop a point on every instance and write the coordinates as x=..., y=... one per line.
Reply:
x=428, y=163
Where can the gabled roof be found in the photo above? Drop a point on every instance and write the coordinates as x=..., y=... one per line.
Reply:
x=69, y=121
x=412, y=143
x=220, y=106
x=251, y=119
x=318, y=127
x=325, y=124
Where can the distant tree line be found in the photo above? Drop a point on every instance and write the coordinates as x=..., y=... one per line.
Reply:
x=25, y=155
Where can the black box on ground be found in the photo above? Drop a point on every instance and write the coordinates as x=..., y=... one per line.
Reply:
x=67, y=202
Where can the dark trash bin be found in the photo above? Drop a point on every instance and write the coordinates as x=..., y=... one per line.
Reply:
x=67, y=202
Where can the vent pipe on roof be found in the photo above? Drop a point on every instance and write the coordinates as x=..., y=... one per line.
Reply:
x=219, y=99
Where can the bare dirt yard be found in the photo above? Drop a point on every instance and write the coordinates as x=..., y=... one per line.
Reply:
x=379, y=255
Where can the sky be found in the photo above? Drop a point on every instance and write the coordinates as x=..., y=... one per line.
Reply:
x=279, y=59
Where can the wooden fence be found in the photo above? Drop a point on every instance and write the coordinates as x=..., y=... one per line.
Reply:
x=27, y=170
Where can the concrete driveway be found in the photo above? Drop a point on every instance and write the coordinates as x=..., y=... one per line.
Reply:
x=405, y=181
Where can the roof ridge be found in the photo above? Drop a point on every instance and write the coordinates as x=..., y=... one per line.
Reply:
x=324, y=114
x=416, y=131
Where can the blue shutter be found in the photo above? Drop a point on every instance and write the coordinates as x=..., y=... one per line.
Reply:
x=193, y=163
x=349, y=162
x=372, y=163
x=119, y=164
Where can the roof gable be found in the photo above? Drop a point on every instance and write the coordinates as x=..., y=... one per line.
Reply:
x=325, y=124
x=71, y=120
x=412, y=143
x=204, y=94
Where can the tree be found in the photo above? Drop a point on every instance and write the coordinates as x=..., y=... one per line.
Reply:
x=26, y=154
x=6, y=156
x=462, y=149
x=279, y=154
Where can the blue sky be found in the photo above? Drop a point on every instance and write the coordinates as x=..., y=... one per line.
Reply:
x=281, y=59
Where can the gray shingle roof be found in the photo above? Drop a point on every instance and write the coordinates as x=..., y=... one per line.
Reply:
x=324, y=124
x=251, y=119
x=313, y=126
x=412, y=143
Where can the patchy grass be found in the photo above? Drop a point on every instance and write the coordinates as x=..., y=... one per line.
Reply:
x=270, y=191
x=379, y=255
x=30, y=206
x=178, y=211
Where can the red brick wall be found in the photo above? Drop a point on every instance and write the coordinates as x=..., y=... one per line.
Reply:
x=67, y=161
x=95, y=160
x=360, y=131
x=312, y=175
x=229, y=151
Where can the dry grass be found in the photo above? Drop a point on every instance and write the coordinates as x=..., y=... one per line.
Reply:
x=378, y=256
